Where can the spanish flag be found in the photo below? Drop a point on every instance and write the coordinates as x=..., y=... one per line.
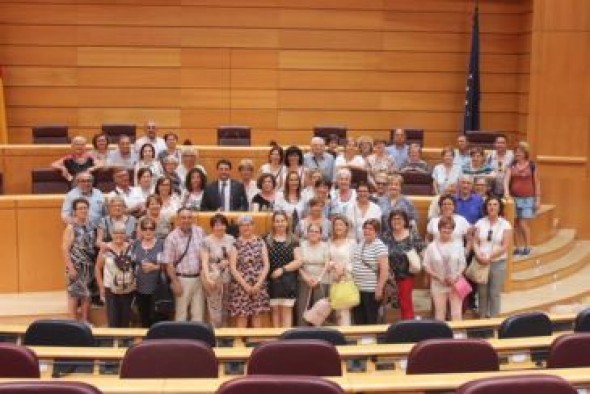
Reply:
x=3, y=125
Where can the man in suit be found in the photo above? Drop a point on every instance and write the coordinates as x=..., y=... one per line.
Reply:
x=224, y=194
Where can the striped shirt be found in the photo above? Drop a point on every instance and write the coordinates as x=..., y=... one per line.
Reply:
x=365, y=264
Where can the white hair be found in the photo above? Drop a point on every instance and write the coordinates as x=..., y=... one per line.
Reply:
x=344, y=173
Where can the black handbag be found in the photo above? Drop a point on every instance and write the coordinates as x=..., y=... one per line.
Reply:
x=164, y=300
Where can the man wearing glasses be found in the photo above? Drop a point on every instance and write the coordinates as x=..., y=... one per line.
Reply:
x=84, y=189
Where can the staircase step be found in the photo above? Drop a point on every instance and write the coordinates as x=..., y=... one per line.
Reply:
x=560, y=244
x=553, y=271
x=543, y=225
x=565, y=289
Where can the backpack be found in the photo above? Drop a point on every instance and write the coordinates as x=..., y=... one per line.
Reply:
x=123, y=273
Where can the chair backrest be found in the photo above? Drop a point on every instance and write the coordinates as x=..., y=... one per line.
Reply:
x=54, y=134
x=260, y=384
x=48, y=181
x=413, y=136
x=295, y=357
x=234, y=136
x=357, y=176
x=452, y=356
x=570, y=351
x=48, y=387
x=18, y=362
x=195, y=331
x=330, y=335
x=518, y=384
x=582, y=322
x=169, y=359
x=483, y=139
x=68, y=333
x=115, y=131
x=417, y=184
x=534, y=324
x=326, y=131
x=412, y=331
x=103, y=180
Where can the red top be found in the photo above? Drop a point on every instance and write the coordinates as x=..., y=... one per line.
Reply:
x=522, y=182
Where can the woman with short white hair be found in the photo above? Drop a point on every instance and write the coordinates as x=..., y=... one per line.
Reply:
x=116, y=277
x=344, y=194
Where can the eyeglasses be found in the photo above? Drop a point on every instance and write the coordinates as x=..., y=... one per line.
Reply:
x=490, y=233
x=148, y=228
x=381, y=183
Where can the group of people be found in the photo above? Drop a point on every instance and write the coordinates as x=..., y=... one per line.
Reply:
x=324, y=230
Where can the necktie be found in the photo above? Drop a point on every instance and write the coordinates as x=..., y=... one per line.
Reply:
x=222, y=195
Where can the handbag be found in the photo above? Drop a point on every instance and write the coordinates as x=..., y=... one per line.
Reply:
x=344, y=295
x=462, y=287
x=414, y=263
x=163, y=297
x=478, y=273
x=164, y=300
x=319, y=312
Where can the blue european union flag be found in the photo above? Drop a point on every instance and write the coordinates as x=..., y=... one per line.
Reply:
x=472, y=93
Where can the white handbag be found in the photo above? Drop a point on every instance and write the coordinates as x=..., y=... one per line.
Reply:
x=415, y=264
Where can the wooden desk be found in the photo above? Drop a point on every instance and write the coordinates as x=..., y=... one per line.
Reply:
x=374, y=383
x=513, y=351
x=241, y=336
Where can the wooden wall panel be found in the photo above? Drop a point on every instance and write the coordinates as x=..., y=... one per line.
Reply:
x=276, y=65
x=129, y=77
x=558, y=111
x=8, y=248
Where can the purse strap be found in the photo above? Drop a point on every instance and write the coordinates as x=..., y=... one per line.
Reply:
x=188, y=243
x=375, y=270
x=309, y=294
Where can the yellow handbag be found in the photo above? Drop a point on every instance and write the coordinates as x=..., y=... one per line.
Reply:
x=344, y=295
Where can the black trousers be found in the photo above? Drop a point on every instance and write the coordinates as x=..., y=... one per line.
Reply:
x=367, y=312
x=118, y=309
x=145, y=307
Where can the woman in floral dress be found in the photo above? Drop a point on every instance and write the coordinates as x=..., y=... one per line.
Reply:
x=248, y=292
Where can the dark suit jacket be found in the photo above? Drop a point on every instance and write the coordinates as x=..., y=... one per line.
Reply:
x=238, y=201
